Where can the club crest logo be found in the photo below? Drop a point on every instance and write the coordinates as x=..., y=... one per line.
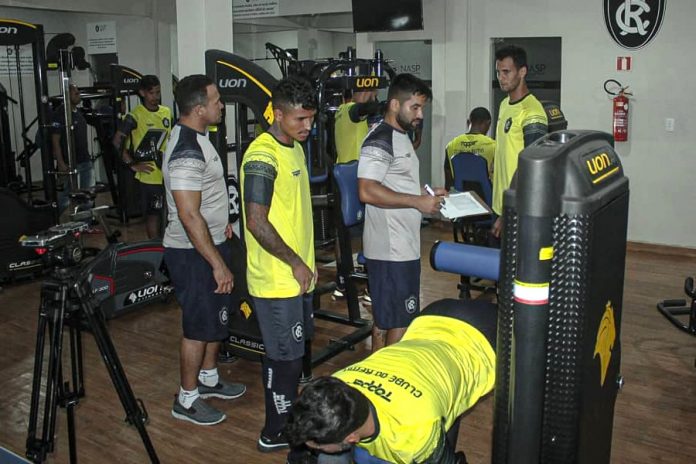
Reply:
x=297, y=332
x=224, y=316
x=411, y=304
x=633, y=23
x=508, y=125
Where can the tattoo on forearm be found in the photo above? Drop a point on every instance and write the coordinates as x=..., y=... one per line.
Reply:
x=267, y=236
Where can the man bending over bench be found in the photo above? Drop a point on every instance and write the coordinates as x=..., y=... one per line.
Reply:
x=398, y=404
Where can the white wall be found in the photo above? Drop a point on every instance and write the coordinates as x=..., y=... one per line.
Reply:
x=252, y=45
x=658, y=163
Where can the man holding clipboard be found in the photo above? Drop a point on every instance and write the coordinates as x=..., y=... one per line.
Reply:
x=389, y=185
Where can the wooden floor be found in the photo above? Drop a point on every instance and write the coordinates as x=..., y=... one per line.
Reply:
x=655, y=417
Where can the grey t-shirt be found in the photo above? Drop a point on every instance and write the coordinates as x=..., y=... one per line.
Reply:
x=390, y=234
x=192, y=163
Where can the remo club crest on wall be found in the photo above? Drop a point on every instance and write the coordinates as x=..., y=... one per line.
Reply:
x=633, y=23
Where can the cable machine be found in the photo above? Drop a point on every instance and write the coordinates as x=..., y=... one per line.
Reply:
x=15, y=33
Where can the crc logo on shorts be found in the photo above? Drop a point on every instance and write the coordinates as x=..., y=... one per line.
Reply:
x=633, y=23
x=165, y=122
x=508, y=125
x=297, y=332
x=224, y=316
x=411, y=304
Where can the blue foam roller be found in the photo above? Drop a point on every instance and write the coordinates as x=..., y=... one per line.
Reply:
x=468, y=260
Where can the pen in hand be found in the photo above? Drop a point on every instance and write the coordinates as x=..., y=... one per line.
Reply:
x=429, y=190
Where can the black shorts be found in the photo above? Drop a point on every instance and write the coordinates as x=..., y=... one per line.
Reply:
x=204, y=313
x=395, y=292
x=285, y=324
x=151, y=198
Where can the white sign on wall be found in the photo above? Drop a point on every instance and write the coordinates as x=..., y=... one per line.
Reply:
x=101, y=38
x=247, y=9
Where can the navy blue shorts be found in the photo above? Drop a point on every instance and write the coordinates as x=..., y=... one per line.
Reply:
x=204, y=313
x=151, y=198
x=285, y=324
x=395, y=292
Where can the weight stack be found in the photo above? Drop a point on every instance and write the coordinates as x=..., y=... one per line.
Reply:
x=560, y=302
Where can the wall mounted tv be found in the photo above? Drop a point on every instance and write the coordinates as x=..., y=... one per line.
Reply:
x=387, y=15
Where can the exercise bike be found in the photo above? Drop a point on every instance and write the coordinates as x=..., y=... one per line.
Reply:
x=125, y=276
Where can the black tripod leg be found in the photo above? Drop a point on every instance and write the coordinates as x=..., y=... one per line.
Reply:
x=70, y=413
x=134, y=414
x=34, y=448
x=51, y=318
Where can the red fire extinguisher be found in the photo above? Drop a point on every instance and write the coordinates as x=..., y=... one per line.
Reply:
x=619, y=109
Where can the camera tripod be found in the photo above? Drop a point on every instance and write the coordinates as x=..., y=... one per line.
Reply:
x=67, y=300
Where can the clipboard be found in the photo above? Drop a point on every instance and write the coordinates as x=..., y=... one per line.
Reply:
x=464, y=204
x=150, y=145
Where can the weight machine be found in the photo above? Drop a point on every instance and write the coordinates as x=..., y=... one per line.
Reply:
x=15, y=34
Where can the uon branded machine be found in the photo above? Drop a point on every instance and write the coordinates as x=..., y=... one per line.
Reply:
x=560, y=302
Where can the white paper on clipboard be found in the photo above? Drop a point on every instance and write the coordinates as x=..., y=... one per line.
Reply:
x=464, y=204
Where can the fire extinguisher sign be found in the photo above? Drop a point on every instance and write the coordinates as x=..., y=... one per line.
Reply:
x=623, y=63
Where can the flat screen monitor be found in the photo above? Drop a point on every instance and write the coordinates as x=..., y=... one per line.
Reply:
x=387, y=15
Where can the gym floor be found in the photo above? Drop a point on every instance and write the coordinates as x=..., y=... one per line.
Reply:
x=655, y=412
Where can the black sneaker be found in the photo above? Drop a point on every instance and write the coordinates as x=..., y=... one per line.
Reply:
x=266, y=445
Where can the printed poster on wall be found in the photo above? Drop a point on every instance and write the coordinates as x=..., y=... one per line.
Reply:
x=248, y=9
x=8, y=61
x=101, y=38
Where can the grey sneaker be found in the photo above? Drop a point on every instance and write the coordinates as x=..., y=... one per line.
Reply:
x=224, y=390
x=200, y=413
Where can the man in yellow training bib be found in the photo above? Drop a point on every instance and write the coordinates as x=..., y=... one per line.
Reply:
x=399, y=404
x=521, y=121
x=279, y=235
x=475, y=141
x=146, y=130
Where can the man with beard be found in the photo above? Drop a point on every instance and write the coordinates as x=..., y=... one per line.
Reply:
x=521, y=121
x=389, y=185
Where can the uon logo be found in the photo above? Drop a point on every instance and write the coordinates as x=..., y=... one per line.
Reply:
x=143, y=294
x=232, y=83
x=367, y=82
x=598, y=163
x=130, y=80
x=633, y=23
x=8, y=30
